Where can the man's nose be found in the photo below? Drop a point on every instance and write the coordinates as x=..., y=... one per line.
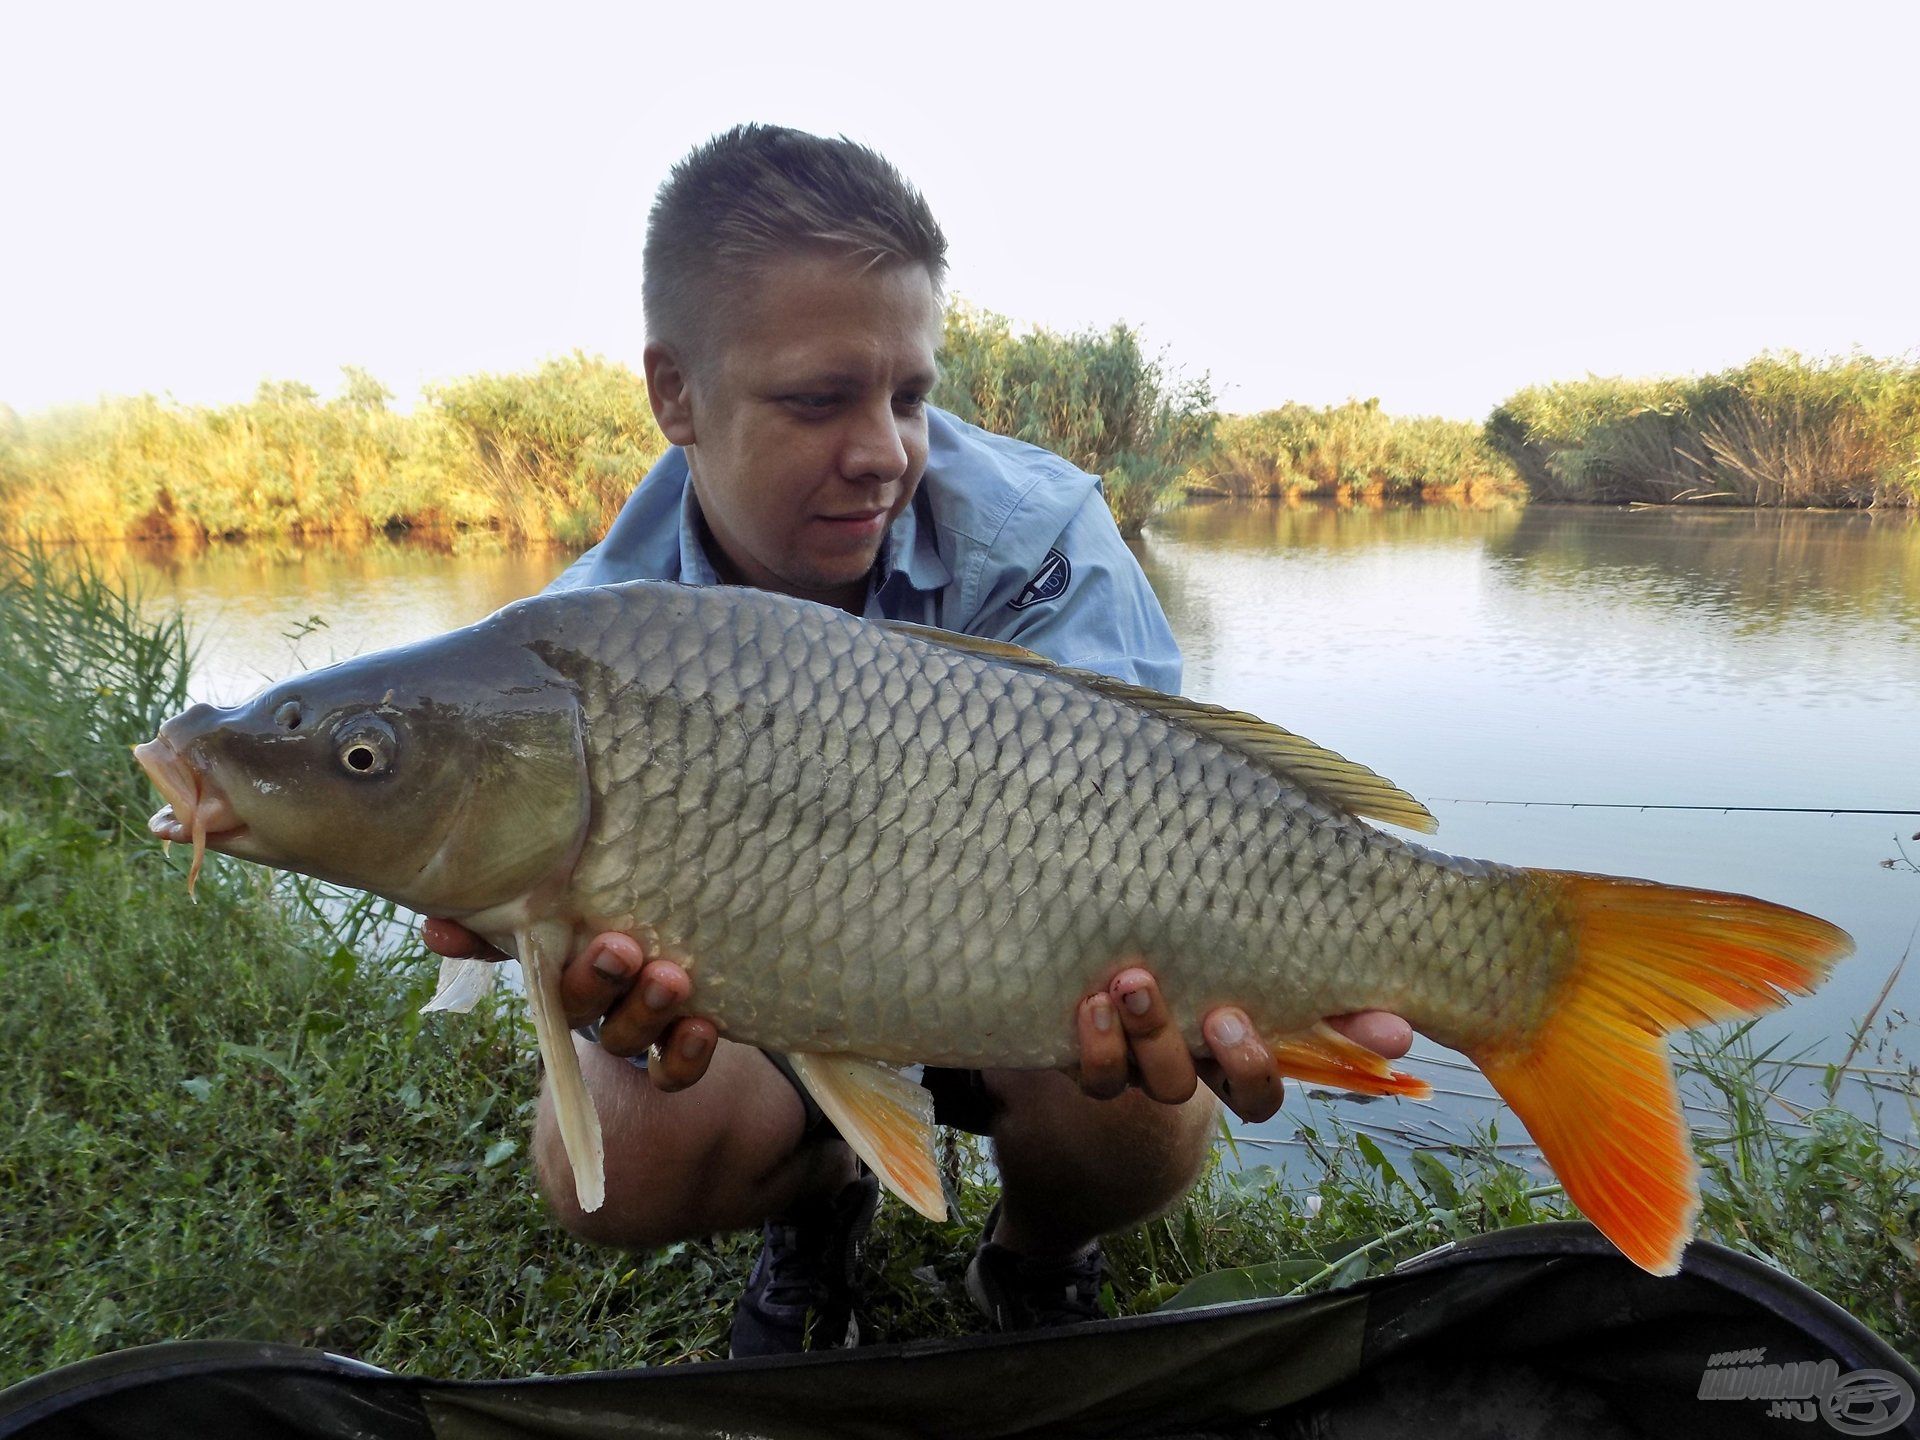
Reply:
x=875, y=446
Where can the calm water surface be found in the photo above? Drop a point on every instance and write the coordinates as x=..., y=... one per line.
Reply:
x=1551, y=654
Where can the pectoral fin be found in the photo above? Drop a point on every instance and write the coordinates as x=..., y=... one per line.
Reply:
x=463, y=984
x=543, y=951
x=885, y=1117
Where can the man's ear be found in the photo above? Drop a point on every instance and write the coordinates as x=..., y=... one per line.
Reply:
x=670, y=394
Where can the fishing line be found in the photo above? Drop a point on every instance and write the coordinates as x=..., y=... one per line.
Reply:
x=1717, y=809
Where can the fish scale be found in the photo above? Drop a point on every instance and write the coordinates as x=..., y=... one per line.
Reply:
x=1008, y=834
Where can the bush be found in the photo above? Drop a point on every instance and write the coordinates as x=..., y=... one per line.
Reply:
x=551, y=455
x=1094, y=398
x=1352, y=450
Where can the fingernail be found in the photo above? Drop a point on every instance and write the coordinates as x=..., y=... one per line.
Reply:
x=609, y=966
x=655, y=995
x=1137, y=1002
x=1228, y=1030
x=693, y=1046
x=1102, y=1009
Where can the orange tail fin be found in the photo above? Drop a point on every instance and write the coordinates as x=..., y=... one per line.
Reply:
x=1593, y=1084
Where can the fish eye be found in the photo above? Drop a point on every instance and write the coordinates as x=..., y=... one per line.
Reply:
x=289, y=715
x=365, y=747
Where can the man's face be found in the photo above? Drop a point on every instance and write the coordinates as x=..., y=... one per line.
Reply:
x=809, y=422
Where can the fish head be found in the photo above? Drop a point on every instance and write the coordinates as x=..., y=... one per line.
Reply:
x=449, y=776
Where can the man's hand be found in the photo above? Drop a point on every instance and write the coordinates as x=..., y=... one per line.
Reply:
x=1130, y=1022
x=634, y=994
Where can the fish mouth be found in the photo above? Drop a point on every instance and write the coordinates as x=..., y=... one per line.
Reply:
x=197, y=811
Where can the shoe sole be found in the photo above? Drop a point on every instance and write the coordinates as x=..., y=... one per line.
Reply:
x=977, y=1292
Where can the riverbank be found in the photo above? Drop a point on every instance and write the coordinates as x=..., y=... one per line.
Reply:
x=550, y=455
x=227, y=1118
x=553, y=454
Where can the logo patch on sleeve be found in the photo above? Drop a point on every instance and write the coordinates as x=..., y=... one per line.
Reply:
x=1049, y=582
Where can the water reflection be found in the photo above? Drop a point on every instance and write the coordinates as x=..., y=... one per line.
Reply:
x=262, y=611
x=1761, y=568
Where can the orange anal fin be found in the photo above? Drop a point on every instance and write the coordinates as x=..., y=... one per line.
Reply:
x=885, y=1117
x=1321, y=1055
x=1592, y=1083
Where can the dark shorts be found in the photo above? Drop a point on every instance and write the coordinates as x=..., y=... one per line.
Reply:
x=960, y=1098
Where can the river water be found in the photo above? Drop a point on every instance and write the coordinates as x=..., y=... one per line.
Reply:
x=1552, y=654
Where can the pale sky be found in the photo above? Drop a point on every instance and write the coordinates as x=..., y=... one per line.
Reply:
x=1435, y=205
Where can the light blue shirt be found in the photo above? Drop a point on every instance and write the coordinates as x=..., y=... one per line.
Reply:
x=1003, y=540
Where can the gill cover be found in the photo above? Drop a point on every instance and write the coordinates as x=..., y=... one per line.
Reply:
x=449, y=775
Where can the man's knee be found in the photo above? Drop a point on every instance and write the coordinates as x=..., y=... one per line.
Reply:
x=721, y=1155
x=1047, y=1123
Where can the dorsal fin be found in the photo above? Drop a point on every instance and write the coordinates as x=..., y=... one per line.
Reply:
x=1331, y=778
x=972, y=644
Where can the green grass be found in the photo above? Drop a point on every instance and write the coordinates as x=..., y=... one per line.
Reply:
x=1779, y=430
x=227, y=1118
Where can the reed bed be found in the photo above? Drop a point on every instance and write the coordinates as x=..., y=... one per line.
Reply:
x=1780, y=430
x=1353, y=451
x=553, y=454
x=550, y=455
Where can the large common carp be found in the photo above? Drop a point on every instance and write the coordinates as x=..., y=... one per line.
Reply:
x=878, y=844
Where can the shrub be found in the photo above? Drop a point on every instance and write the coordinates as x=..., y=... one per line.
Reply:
x=1352, y=449
x=551, y=455
x=1093, y=397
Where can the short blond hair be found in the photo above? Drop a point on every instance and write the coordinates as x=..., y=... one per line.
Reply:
x=761, y=192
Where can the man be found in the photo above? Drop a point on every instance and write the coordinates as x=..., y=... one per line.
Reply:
x=792, y=294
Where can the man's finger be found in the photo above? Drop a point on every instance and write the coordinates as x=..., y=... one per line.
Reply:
x=682, y=1054
x=638, y=1017
x=1103, y=1048
x=1242, y=1072
x=1385, y=1034
x=453, y=940
x=1159, y=1053
x=599, y=977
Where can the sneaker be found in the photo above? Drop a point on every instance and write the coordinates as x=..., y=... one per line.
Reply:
x=801, y=1295
x=1016, y=1292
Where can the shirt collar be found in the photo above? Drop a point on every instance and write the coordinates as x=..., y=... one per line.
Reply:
x=696, y=566
x=908, y=551
x=911, y=551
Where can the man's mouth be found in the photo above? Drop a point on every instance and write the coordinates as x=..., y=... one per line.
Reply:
x=196, y=810
x=858, y=522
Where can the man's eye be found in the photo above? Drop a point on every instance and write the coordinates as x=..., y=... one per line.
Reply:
x=913, y=401
x=813, y=403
